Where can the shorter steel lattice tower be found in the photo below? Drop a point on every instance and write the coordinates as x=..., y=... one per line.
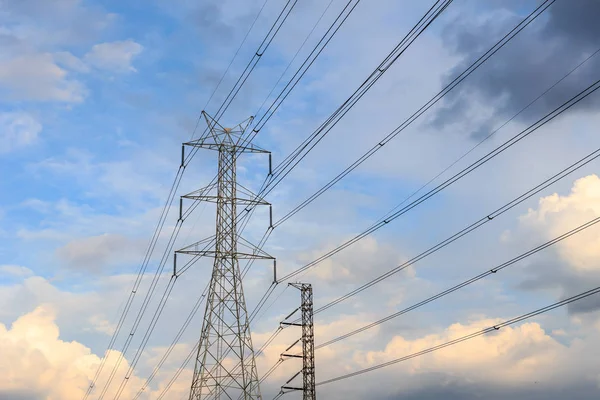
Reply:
x=308, y=344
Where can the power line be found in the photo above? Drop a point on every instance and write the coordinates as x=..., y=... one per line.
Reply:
x=344, y=14
x=306, y=64
x=465, y=171
x=159, y=365
x=257, y=56
x=470, y=228
x=178, y=372
x=484, y=57
x=463, y=284
x=532, y=128
x=138, y=280
x=144, y=307
x=266, y=42
x=146, y=337
x=440, y=95
x=228, y=67
x=281, y=293
x=286, y=166
x=146, y=303
x=481, y=332
x=296, y=55
x=325, y=39
x=425, y=21
x=565, y=172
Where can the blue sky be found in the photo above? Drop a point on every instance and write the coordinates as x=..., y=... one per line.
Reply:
x=96, y=98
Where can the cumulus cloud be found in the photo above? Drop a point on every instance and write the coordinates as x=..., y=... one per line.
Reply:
x=557, y=214
x=508, y=361
x=38, y=365
x=17, y=129
x=572, y=265
x=114, y=56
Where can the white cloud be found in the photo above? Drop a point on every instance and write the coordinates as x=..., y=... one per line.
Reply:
x=17, y=129
x=102, y=325
x=558, y=214
x=511, y=358
x=114, y=56
x=37, y=364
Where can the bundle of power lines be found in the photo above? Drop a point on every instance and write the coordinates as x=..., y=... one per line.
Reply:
x=289, y=163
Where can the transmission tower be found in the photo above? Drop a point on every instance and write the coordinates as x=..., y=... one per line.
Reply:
x=225, y=365
x=308, y=345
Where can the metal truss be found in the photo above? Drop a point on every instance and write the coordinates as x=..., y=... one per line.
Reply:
x=308, y=345
x=225, y=367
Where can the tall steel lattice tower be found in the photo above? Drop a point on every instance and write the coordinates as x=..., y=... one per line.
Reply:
x=225, y=365
x=308, y=345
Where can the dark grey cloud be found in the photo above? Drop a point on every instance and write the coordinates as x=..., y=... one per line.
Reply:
x=551, y=273
x=440, y=388
x=535, y=59
x=7, y=394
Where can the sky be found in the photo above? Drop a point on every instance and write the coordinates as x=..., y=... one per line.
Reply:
x=96, y=97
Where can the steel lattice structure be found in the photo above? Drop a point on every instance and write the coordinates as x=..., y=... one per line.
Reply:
x=308, y=344
x=225, y=365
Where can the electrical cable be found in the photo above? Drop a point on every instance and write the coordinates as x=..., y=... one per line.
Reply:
x=468, y=229
x=229, y=67
x=295, y=157
x=145, y=304
x=461, y=339
x=440, y=95
x=138, y=280
x=143, y=308
x=390, y=59
x=570, y=169
x=507, y=144
x=562, y=174
x=484, y=57
x=146, y=337
x=160, y=224
x=286, y=69
x=463, y=284
x=305, y=66
x=295, y=56
x=481, y=161
x=171, y=347
x=178, y=372
x=284, y=168
x=249, y=68
x=268, y=39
